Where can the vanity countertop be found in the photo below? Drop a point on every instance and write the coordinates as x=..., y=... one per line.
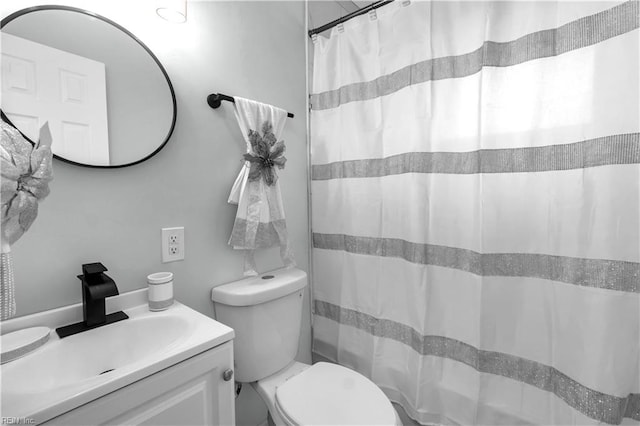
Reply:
x=66, y=373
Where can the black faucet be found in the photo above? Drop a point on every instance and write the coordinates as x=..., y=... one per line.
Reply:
x=96, y=287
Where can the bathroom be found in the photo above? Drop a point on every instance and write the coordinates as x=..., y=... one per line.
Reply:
x=261, y=50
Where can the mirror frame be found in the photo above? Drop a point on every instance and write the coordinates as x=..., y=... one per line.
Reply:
x=25, y=11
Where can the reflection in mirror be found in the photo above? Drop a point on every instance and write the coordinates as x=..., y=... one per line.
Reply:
x=108, y=100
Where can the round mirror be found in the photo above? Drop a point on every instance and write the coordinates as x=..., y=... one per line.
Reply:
x=108, y=100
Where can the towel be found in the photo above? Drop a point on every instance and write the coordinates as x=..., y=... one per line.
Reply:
x=26, y=172
x=260, y=220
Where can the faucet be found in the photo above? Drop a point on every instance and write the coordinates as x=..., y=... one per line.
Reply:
x=96, y=287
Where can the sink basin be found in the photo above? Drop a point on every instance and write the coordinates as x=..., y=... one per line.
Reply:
x=84, y=356
x=65, y=373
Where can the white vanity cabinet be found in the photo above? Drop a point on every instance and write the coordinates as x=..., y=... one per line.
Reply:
x=196, y=391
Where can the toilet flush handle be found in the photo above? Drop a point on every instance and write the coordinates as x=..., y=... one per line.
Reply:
x=227, y=375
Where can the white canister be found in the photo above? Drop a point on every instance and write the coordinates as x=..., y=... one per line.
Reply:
x=160, y=290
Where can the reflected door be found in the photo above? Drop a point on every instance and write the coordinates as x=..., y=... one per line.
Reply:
x=40, y=83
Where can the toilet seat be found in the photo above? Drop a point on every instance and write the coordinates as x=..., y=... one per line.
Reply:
x=330, y=394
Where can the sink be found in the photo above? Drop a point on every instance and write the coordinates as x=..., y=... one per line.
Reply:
x=65, y=373
x=84, y=356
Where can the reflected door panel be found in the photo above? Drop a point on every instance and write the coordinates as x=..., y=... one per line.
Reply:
x=41, y=83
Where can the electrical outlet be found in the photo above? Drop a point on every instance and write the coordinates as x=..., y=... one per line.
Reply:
x=172, y=244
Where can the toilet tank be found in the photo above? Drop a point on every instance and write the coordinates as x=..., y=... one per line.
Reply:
x=265, y=313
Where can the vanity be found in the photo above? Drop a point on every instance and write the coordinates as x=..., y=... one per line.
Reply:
x=170, y=367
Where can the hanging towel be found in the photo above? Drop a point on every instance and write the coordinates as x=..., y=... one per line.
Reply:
x=260, y=221
x=26, y=173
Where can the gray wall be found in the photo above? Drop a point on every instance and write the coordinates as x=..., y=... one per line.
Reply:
x=250, y=49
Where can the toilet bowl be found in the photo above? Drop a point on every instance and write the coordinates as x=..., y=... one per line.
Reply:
x=265, y=313
x=324, y=394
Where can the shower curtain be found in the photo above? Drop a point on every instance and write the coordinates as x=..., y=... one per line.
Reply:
x=476, y=208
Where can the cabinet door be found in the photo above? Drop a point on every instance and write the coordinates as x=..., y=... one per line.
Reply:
x=192, y=392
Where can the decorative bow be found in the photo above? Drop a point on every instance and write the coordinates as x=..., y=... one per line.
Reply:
x=268, y=153
x=26, y=173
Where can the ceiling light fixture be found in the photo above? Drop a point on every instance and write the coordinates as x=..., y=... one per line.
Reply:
x=172, y=10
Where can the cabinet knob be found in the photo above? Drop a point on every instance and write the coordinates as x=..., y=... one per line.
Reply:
x=227, y=375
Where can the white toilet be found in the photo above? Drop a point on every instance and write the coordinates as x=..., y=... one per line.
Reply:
x=265, y=312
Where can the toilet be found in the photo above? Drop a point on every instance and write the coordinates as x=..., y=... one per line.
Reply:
x=265, y=312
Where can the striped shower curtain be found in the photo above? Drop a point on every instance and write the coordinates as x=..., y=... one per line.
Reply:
x=476, y=208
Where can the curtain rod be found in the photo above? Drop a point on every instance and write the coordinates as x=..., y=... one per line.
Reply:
x=215, y=99
x=345, y=18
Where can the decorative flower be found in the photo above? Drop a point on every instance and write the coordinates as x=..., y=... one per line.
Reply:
x=26, y=173
x=268, y=153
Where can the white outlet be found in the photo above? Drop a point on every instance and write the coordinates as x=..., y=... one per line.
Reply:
x=172, y=244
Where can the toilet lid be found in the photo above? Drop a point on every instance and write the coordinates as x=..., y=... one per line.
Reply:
x=329, y=394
